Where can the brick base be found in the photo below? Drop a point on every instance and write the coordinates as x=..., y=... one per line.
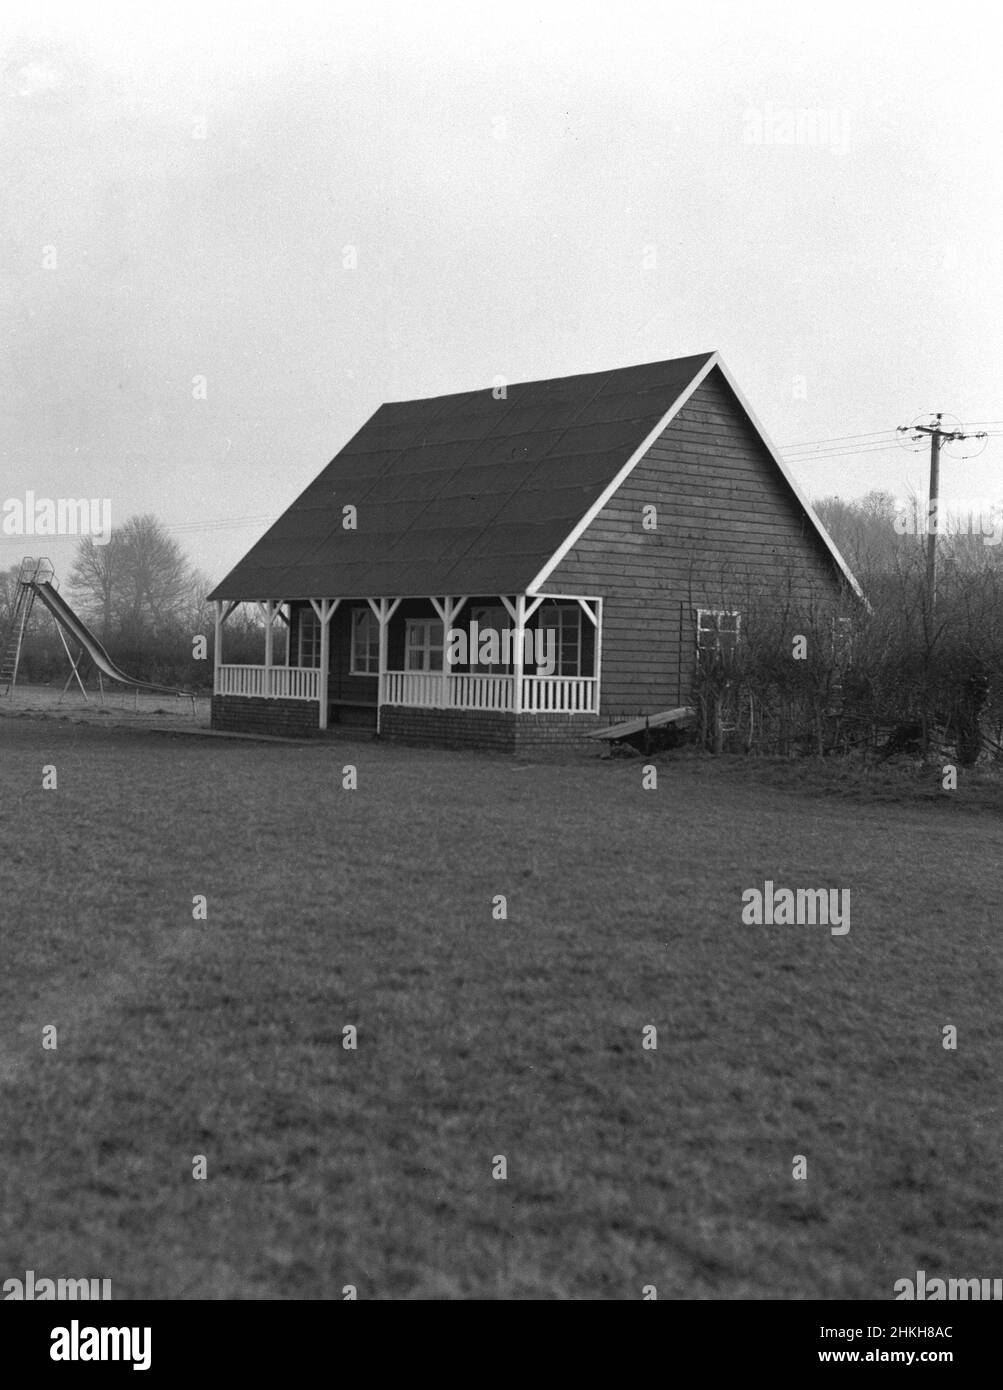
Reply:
x=492, y=729
x=443, y=728
x=241, y=714
x=539, y=730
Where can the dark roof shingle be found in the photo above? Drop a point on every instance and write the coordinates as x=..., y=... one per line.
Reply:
x=460, y=494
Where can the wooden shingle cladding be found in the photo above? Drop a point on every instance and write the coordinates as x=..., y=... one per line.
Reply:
x=728, y=523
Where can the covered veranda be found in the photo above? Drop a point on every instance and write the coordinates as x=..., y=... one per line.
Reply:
x=424, y=676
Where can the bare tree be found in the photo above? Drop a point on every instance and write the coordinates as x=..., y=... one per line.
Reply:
x=156, y=576
x=95, y=578
x=864, y=532
x=8, y=590
x=140, y=579
x=198, y=613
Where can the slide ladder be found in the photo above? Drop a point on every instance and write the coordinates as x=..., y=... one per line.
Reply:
x=32, y=572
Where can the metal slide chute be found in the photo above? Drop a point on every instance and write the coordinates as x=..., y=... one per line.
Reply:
x=37, y=583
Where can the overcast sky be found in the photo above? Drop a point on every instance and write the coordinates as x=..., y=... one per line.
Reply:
x=530, y=191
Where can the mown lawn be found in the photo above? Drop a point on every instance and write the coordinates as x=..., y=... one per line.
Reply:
x=476, y=1037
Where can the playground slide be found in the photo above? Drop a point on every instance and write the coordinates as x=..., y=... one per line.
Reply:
x=80, y=632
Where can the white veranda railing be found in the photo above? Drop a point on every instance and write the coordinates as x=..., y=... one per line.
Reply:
x=422, y=689
x=540, y=694
x=270, y=682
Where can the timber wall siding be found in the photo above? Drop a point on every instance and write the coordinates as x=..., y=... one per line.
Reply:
x=727, y=523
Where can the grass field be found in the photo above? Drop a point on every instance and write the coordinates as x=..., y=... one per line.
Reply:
x=477, y=1037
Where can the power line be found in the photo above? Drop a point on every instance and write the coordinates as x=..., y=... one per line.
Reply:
x=219, y=523
x=853, y=452
x=845, y=453
x=836, y=439
x=872, y=441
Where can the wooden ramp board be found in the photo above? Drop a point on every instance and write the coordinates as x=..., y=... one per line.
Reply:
x=650, y=721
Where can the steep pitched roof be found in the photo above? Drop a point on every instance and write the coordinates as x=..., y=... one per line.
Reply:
x=461, y=494
x=467, y=494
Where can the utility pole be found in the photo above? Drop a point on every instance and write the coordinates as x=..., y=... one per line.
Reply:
x=937, y=436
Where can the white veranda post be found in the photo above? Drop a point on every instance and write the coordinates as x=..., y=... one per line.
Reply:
x=597, y=666
x=217, y=645
x=520, y=612
x=280, y=610
x=383, y=610
x=592, y=608
x=447, y=609
x=325, y=609
x=223, y=610
x=517, y=612
x=268, y=609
